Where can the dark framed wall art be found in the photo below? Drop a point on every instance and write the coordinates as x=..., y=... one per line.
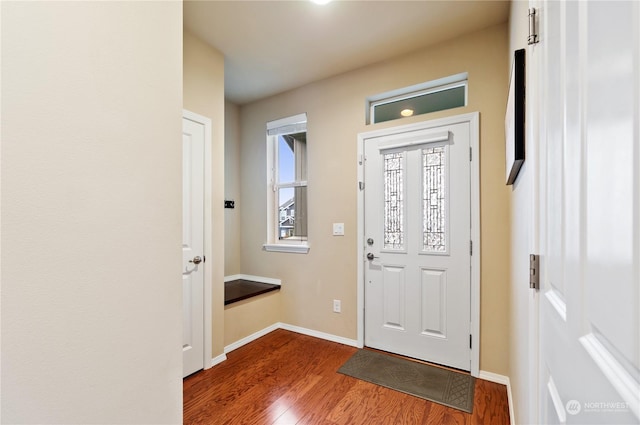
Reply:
x=514, y=118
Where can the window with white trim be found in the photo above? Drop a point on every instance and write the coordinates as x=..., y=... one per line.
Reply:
x=437, y=95
x=287, y=185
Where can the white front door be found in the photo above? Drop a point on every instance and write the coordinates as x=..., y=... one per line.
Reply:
x=417, y=213
x=193, y=141
x=590, y=212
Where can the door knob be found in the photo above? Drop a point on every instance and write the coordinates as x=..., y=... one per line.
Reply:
x=370, y=256
x=196, y=260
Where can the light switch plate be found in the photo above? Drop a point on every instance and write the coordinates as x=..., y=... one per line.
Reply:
x=338, y=229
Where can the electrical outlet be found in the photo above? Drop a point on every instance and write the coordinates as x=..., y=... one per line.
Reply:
x=336, y=306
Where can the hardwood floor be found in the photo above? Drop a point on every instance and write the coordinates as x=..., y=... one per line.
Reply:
x=289, y=378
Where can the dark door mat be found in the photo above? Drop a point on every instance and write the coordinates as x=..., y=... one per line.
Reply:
x=453, y=389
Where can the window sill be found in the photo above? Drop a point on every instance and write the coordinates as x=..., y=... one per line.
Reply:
x=297, y=249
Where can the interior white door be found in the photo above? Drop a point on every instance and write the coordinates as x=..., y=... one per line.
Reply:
x=590, y=212
x=417, y=244
x=193, y=139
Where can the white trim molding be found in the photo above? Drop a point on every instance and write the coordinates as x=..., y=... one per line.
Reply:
x=318, y=334
x=503, y=380
x=279, y=247
x=250, y=338
x=252, y=278
x=218, y=359
x=292, y=328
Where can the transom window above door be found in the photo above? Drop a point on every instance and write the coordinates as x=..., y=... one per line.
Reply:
x=437, y=95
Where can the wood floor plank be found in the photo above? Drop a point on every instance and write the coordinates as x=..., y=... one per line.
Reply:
x=413, y=411
x=289, y=378
x=490, y=404
x=381, y=406
x=283, y=410
x=443, y=415
x=316, y=406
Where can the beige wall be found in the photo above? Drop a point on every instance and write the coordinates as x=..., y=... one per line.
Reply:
x=203, y=92
x=232, y=189
x=247, y=317
x=91, y=212
x=336, y=114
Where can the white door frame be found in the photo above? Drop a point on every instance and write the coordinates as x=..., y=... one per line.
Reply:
x=206, y=122
x=473, y=119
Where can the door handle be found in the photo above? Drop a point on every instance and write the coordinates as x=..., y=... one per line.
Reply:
x=196, y=260
x=370, y=256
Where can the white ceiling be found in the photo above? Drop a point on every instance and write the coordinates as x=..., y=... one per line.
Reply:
x=274, y=46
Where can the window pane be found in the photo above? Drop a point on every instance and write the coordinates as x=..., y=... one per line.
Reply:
x=433, y=199
x=292, y=161
x=393, y=201
x=286, y=160
x=292, y=213
x=422, y=104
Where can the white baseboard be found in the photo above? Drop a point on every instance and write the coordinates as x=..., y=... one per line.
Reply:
x=318, y=334
x=260, y=279
x=252, y=337
x=218, y=359
x=494, y=377
x=504, y=380
x=298, y=329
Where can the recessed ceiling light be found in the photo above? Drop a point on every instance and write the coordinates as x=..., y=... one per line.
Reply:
x=406, y=112
x=321, y=1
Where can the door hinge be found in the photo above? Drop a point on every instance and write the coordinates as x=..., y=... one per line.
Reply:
x=470, y=247
x=534, y=271
x=470, y=341
x=361, y=185
x=470, y=154
x=533, y=35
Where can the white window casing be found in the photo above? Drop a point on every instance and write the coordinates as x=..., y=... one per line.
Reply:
x=286, y=126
